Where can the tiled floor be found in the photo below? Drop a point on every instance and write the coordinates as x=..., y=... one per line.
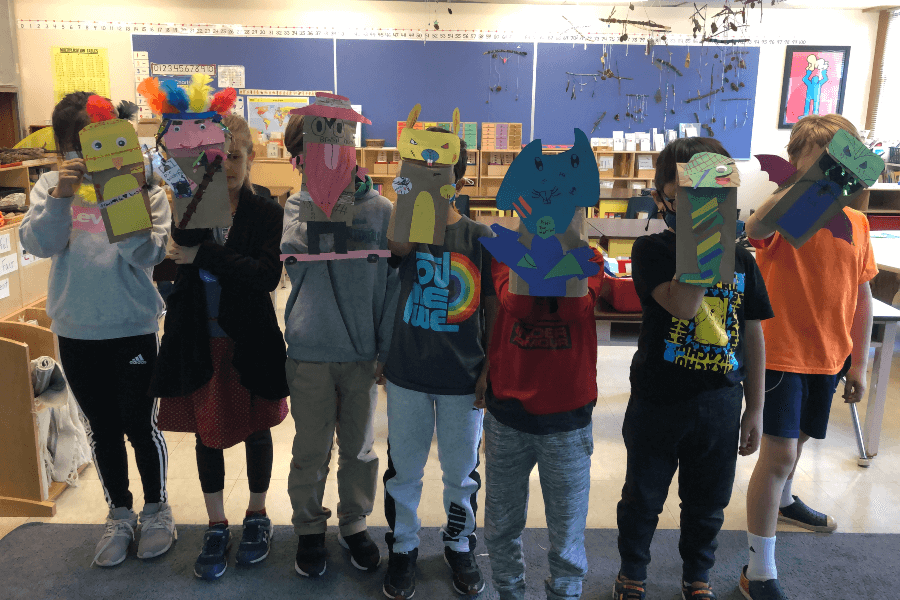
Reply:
x=862, y=500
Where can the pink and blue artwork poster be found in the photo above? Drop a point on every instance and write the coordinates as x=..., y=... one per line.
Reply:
x=814, y=81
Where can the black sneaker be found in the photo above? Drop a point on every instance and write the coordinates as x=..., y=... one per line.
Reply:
x=467, y=579
x=311, y=555
x=213, y=559
x=627, y=589
x=760, y=590
x=364, y=553
x=256, y=541
x=400, y=579
x=800, y=515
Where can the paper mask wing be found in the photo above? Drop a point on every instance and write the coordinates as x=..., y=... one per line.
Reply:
x=778, y=169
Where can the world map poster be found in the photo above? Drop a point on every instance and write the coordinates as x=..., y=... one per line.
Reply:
x=270, y=115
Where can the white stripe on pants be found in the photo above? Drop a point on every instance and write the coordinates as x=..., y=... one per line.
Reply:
x=413, y=418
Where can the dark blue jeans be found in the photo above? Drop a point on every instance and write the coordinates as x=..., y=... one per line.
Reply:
x=699, y=437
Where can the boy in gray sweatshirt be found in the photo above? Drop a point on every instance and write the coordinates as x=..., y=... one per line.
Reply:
x=338, y=323
x=105, y=311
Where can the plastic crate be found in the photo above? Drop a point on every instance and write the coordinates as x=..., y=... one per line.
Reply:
x=894, y=155
x=884, y=222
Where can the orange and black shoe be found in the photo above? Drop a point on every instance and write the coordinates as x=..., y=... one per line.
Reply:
x=627, y=589
x=697, y=592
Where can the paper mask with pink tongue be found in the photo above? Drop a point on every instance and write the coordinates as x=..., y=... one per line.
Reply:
x=329, y=149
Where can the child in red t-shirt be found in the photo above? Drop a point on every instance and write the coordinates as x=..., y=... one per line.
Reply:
x=543, y=388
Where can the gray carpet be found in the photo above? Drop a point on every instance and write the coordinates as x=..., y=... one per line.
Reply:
x=39, y=561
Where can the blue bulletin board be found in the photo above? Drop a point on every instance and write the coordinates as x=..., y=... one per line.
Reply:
x=557, y=113
x=388, y=77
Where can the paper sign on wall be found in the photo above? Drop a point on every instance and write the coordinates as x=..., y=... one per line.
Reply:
x=704, y=246
x=425, y=184
x=231, y=76
x=4, y=288
x=80, y=69
x=8, y=264
x=549, y=255
x=4, y=243
x=192, y=133
x=815, y=199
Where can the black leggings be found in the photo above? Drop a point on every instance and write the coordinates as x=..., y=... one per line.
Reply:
x=211, y=464
x=109, y=379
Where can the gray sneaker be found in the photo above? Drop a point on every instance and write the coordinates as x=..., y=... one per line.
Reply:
x=113, y=546
x=157, y=530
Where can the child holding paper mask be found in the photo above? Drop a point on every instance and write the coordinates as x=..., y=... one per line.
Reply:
x=696, y=348
x=220, y=371
x=338, y=323
x=105, y=311
x=435, y=372
x=823, y=304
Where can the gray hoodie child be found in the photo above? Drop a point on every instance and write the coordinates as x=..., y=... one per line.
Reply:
x=340, y=310
x=97, y=290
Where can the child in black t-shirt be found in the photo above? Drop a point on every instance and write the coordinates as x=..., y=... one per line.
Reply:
x=696, y=347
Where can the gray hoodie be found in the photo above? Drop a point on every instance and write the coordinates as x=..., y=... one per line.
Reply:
x=97, y=290
x=340, y=310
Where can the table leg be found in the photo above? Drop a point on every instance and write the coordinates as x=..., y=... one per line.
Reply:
x=604, y=333
x=881, y=371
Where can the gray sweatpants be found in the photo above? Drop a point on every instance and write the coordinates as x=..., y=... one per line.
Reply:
x=564, y=464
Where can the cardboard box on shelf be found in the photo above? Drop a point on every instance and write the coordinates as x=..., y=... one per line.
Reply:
x=380, y=168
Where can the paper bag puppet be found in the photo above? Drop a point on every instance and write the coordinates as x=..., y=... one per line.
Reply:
x=425, y=184
x=549, y=255
x=706, y=219
x=195, y=144
x=114, y=161
x=815, y=199
x=329, y=176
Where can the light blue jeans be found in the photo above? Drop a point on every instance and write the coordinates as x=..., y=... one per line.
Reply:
x=564, y=464
x=412, y=420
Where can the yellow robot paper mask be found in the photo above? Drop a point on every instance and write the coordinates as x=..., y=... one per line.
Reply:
x=109, y=144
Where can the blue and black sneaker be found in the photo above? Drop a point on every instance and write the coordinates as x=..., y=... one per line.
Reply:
x=213, y=559
x=256, y=541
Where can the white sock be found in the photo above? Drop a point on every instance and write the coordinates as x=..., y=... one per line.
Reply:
x=762, y=558
x=786, y=498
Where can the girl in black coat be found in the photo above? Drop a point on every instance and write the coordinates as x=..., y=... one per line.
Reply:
x=220, y=372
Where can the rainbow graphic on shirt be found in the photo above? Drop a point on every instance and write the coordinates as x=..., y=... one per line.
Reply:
x=446, y=292
x=465, y=288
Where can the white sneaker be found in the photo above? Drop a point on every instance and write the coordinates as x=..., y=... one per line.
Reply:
x=157, y=530
x=113, y=546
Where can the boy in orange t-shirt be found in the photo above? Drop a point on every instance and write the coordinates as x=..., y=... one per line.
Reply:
x=823, y=314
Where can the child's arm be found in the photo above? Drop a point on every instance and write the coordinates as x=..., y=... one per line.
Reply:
x=293, y=233
x=148, y=248
x=400, y=249
x=861, y=333
x=681, y=300
x=518, y=306
x=491, y=308
x=47, y=225
x=755, y=228
x=754, y=388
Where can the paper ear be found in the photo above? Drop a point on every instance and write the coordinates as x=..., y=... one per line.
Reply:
x=456, y=121
x=413, y=116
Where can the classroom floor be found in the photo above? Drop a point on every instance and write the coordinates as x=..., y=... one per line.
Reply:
x=828, y=478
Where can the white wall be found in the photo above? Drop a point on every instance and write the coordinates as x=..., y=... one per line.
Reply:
x=835, y=27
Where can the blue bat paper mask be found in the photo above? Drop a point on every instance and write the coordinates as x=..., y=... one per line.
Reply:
x=545, y=189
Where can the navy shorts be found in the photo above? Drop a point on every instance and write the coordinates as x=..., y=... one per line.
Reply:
x=796, y=402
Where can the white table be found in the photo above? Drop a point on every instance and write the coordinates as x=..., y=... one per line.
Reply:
x=886, y=247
